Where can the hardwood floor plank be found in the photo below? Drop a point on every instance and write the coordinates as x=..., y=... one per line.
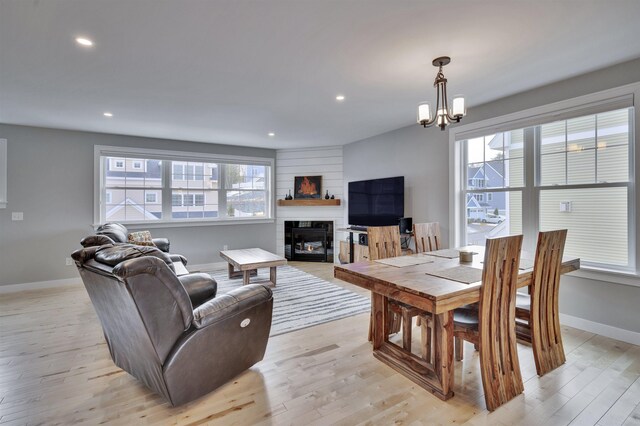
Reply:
x=55, y=369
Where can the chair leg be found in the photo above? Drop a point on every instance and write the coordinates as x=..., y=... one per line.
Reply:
x=418, y=321
x=458, y=348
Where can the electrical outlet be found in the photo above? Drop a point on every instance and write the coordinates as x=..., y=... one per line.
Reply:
x=17, y=215
x=68, y=261
x=225, y=247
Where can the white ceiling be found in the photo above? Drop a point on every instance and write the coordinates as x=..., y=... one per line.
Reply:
x=232, y=71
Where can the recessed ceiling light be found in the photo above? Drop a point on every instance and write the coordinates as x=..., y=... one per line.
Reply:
x=84, y=41
x=271, y=134
x=107, y=114
x=340, y=98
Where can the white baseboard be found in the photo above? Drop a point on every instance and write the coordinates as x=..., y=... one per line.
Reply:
x=628, y=336
x=39, y=285
x=11, y=288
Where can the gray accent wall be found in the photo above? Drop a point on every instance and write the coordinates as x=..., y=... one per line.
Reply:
x=50, y=179
x=422, y=156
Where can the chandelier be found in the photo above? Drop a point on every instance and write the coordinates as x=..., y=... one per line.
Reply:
x=443, y=115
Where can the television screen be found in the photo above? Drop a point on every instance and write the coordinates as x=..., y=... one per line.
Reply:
x=376, y=202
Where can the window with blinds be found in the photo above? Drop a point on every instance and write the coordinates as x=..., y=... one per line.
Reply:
x=583, y=184
x=581, y=181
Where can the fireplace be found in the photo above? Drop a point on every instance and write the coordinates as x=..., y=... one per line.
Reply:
x=310, y=240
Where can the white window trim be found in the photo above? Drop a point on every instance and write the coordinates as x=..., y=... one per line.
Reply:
x=116, y=151
x=620, y=97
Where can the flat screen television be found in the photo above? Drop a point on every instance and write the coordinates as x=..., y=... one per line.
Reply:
x=376, y=202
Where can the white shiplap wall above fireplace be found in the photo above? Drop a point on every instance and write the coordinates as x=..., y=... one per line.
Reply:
x=325, y=162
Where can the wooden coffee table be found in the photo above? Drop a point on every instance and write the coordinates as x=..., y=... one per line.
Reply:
x=245, y=262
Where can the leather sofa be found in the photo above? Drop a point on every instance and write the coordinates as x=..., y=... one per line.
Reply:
x=173, y=333
x=118, y=233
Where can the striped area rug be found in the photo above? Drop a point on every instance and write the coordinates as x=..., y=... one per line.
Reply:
x=300, y=300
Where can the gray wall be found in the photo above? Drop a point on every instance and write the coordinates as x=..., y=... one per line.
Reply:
x=422, y=156
x=50, y=179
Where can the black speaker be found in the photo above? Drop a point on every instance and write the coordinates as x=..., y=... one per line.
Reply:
x=363, y=239
x=406, y=225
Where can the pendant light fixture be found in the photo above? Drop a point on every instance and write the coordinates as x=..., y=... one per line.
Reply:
x=443, y=115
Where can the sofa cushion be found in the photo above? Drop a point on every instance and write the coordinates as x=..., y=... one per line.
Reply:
x=141, y=238
x=113, y=255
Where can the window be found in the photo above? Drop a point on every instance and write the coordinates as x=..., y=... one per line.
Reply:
x=209, y=188
x=151, y=197
x=494, y=165
x=574, y=173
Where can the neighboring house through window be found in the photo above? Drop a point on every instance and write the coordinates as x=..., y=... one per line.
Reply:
x=218, y=188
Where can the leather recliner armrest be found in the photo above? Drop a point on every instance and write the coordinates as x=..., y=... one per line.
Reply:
x=223, y=306
x=200, y=287
x=96, y=240
x=162, y=243
x=178, y=258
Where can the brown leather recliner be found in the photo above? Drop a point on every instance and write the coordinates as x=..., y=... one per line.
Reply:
x=153, y=330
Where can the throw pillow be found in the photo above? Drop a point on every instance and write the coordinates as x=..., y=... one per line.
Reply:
x=141, y=238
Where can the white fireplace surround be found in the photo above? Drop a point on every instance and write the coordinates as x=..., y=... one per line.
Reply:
x=325, y=162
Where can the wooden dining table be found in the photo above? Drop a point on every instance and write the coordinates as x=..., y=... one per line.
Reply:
x=433, y=283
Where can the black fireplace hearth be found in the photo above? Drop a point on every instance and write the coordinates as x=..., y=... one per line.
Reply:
x=310, y=241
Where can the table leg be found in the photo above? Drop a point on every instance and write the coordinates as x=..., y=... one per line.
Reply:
x=272, y=276
x=443, y=350
x=235, y=274
x=232, y=273
x=406, y=329
x=378, y=311
x=246, y=277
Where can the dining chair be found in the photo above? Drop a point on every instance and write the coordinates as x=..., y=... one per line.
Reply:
x=427, y=236
x=384, y=242
x=537, y=316
x=492, y=326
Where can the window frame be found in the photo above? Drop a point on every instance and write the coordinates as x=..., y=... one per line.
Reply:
x=607, y=100
x=180, y=156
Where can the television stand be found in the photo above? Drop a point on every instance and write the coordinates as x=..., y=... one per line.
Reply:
x=362, y=250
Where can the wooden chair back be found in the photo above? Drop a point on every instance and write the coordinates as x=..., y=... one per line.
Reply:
x=384, y=242
x=427, y=236
x=546, y=338
x=499, y=364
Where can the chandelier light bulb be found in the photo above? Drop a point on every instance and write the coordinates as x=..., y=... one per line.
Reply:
x=457, y=109
x=424, y=112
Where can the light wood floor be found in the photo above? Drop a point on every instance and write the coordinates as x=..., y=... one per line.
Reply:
x=55, y=369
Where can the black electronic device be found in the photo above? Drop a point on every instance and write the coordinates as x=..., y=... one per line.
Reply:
x=406, y=225
x=376, y=202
